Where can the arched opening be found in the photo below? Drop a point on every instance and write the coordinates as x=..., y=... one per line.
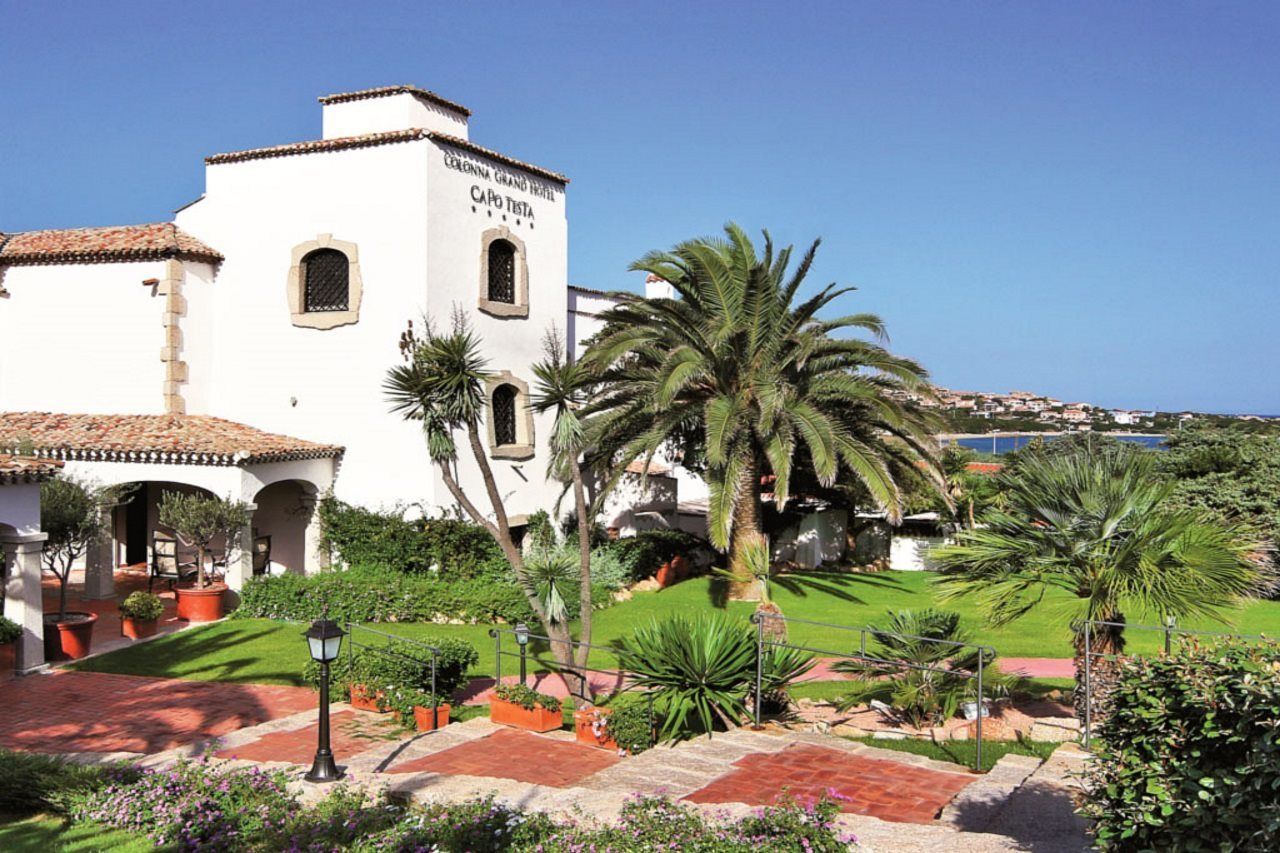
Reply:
x=136, y=521
x=326, y=281
x=284, y=513
x=502, y=272
x=503, y=406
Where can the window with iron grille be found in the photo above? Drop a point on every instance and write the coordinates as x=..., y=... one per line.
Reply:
x=502, y=272
x=327, y=286
x=504, y=415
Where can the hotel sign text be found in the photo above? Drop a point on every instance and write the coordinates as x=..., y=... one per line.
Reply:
x=495, y=198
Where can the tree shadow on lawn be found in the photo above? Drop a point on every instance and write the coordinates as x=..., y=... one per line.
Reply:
x=835, y=585
x=165, y=657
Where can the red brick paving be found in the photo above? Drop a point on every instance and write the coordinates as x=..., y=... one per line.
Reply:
x=102, y=712
x=885, y=789
x=512, y=754
x=350, y=733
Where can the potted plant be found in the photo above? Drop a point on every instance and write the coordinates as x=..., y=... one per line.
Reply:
x=524, y=708
x=140, y=613
x=429, y=713
x=591, y=727
x=201, y=521
x=73, y=515
x=625, y=726
x=10, y=631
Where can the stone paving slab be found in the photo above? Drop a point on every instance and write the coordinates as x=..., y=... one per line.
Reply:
x=351, y=733
x=518, y=755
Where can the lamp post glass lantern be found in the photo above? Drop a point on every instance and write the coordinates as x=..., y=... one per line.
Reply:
x=324, y=640
x=522, y=638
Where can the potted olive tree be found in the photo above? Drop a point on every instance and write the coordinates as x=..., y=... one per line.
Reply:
x=72, y=515
x=211, y=525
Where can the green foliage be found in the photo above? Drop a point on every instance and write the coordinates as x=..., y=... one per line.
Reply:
x=383, y=595
x=10, y=631
x=526, y=697
x=73, y=516
x=780, y=668
x=630, y=723
x=1187, y=759
x=737, y=371
x=368, y=538
x=142, y=606
x=910, y=641
x=31, y=783
x=553, y=573
x=699, y=671
x=200, y=520
x=540, y=532
x=643, y=554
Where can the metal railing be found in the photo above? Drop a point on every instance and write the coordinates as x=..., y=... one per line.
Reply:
x=1171, y=633
x=985, y=654
x=578, y=675
x=354, y=631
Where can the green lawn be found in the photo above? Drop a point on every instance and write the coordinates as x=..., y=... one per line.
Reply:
x=962, y=752
x=45, y=834
x=255, y=650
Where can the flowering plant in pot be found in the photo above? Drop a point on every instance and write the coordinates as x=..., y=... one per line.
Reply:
x=203, y=521
x=140, y=613
x=74, y=515
x=10, y=631
x=525, y=708
x=625, y=725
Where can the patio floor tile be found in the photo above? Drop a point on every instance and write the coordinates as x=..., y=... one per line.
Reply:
x=350, y=733
x=871, y=786
x=518, y=755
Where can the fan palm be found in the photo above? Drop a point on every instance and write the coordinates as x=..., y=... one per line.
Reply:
x=1097, y=525
x=752, y=379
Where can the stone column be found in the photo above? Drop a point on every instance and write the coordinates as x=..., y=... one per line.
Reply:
x=100, y=563
x=317, y=556
x=240, y=563
x=24, y=600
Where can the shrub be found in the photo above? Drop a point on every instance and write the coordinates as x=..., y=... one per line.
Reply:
x=142, y=606
x=365, y=537
x=643, y=554
x=10, y=631
x=31, y=783
x=477, y=826
x=1187, y=758
x=526, y=697
x=631, y=723
x=699, y=671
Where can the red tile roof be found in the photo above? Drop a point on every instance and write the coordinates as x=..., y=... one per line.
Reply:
x=182, y=439
x=26, y=469
x=102, y=245
x=384, y=91
x=656, y=469
x=370, y=140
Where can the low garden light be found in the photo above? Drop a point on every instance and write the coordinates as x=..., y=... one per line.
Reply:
x=522, y=638
x=324, y=639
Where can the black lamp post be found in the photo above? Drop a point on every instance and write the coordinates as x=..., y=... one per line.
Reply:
x=522, y=637
x=324, y=638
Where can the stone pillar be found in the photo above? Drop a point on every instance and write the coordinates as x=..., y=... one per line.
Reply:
x=24, y=600
x=317, y=556
x=100, y=563
x=240, y=560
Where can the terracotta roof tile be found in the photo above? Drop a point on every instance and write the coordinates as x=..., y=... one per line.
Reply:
x=184, y=439
x=656, y=469
x=384, y=91
x=370, y=140
x=26, y=469
x=102, y=245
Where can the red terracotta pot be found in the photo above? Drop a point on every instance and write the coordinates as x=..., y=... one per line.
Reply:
x=584, y=728
x=539, y=719
x=69, y=640
x=681, y=567
x=136, y=629
x=201, y=605
x=363, y=700
x=666, y=575
x=429, y=720
x=8, y=660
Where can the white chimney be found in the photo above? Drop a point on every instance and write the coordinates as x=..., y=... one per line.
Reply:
x=658, y=288
x=392, y=108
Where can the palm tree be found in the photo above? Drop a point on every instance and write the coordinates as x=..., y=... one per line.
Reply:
x=1097, y=526
x=737, y=371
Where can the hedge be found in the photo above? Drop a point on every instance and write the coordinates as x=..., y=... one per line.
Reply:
x=1189, y=758
x=448, y=547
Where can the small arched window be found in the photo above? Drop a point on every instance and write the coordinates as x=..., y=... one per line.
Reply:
x=326, y=281
x=504, y=415
x=502, y=272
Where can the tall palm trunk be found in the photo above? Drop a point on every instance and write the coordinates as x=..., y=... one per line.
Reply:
x=746, y=524
x=584, y=565
x=1106, y=642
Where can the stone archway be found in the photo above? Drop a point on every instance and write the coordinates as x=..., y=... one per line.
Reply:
x=285, y=519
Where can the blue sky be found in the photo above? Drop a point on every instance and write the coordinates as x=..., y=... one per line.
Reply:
x=1081, y=199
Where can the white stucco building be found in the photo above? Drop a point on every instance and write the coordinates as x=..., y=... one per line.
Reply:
x=241, y=348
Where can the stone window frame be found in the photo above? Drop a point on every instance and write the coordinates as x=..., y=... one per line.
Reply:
x=524, y=447
x=520, y=308
x=297, y=284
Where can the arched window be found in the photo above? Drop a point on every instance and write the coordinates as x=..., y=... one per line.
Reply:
x=326, y=281
x=504, y=415
x=502, y=272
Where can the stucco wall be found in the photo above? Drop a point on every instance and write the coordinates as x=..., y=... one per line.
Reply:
x=20, y=508
x=82, y=338
x=393, y=112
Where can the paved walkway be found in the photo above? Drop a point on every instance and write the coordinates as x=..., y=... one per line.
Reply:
x=106, y=632
x=1039, y=667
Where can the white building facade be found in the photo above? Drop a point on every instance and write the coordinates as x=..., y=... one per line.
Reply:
x=241, y=349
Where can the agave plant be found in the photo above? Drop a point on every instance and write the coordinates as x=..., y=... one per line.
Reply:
x=919, y=664
x=552, y=571
x=699, y=671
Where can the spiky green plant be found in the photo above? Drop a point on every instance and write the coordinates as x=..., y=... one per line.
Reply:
x=739, y=371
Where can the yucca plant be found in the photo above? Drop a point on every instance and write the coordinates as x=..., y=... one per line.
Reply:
x=780, y=667
x=917, y=664
x=551, y=572
x=698, y=669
